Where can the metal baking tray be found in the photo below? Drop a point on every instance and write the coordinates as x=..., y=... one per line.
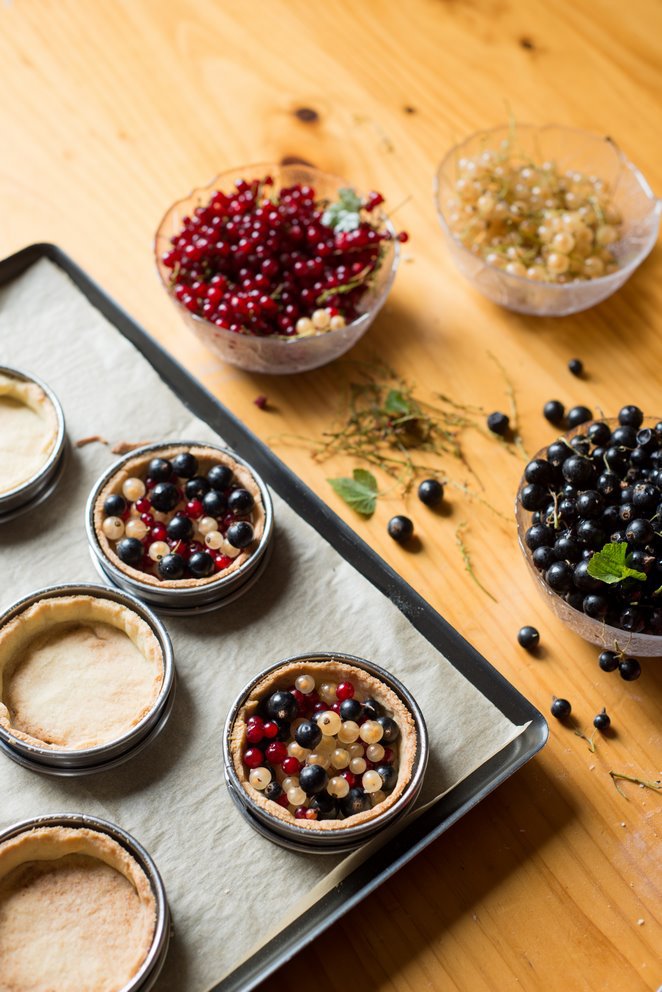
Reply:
x=452, y=806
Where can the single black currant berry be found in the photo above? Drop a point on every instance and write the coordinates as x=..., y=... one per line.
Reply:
x=568, y=509
x=632, y=619
x=219, y=477
x=576, y=600
x=553, y=411
x=640, y=532
x=646, y=439
x=599, y=433
x=608, y=483
x=560, y=708
x=578, y=415
x=624, y=437
x=350, y=709
x=559, y=576
x=567, y=549
x=577, y=470
x=185, y=465
x=533, y=496
x=581, y=444
x=629, y=669
x=240, y=534
x=538, y=536
x=591, y=534
x=326, y=806
x=171, y=567
x=431, y=492
x=557, y=452
x=400, y=528
x=371, y=708
x=114, y=505
x=528, y=637
x=273, y=791
x=388, y=775
x=214, y=503
x=595, y=606
x=540, y=471
x=616, y=460
x=583, y=580
x=590, y=504
x=356, y=801
x=164, y=497
x=200, y=564
x=282, y=706
x=390, y=728
x=180, y=528
x=576, y=366
x=544, y=557
x=631, y=416
x=307, y=734
x=608, y=661
x=196, y=487
x=498, y=423
x=130, y=551
x=240, y=501
x=312, y=779
x=601, y=721
x=159, y=469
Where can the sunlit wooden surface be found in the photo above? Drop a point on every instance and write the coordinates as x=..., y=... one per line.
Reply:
x=110, y=111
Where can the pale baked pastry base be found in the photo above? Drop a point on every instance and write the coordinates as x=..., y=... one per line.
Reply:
x=77, y=672
x=77, y=912
x=137, y=467
x=28, y=431
x=366, y=685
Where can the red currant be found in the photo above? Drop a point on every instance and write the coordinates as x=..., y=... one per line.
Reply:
x=271, y=729
x=291, y=765
x=345, y=690
x=253, y=757
x=276, y=752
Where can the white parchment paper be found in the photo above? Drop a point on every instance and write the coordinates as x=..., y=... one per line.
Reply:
x=228, y=888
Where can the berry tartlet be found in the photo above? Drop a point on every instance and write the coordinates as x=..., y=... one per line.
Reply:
x=31, y=439
x=86, y=675
x=180, y=517
x=326, y=744
x=81, y=895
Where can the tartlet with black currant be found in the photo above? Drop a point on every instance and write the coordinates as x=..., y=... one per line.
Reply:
x=323, y=745
x=180, y=515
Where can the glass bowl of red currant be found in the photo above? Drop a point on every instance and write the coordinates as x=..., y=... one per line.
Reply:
x=545, y=220
x=588, y=513
x=277, y=268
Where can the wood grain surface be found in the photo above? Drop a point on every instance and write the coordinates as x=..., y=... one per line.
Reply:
x=112, y=110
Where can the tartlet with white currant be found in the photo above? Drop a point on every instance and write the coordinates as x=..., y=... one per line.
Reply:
x=323, y=745
x=180, y=515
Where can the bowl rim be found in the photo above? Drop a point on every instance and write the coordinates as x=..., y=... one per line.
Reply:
x=523, y=525
x=559, y=288
x=280, y=338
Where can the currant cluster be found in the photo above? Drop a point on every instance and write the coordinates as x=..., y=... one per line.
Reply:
x=320, y=752
x=176, y=523
x=262, y=262
x=599, y=496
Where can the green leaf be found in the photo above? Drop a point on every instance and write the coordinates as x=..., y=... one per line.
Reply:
x=359, y=492
x=610, y=565
x=345, y=213
x=396, y=404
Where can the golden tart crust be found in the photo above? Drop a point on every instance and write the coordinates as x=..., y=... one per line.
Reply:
x=77, y=912
x=365, y=685
x=137, y=467
x=77, y=672
x=28, y=431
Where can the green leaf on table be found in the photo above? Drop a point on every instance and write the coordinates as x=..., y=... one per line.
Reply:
x=345, y=213
x=610, y=564
x=396, y=405
x=359, y=492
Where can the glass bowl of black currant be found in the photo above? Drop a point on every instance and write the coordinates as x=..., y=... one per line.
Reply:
x=589, y=521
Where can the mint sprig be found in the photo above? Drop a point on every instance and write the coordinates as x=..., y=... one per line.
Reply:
x=345, y=213
x=610, y=565
x=359, y=492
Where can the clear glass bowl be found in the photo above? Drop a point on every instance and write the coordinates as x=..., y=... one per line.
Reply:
x=276, y=355
x=594, y=631
x=572, y=149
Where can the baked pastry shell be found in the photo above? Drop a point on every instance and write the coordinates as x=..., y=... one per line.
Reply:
x=72, y=761
x=23, y=496
x=147, y=975
x=188, y=592
x=369, y=679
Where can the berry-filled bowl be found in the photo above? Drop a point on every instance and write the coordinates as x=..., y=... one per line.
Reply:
x=183, y=525
x=324, y=750
x=545, y=220
x=587, y=519
x=277, y=268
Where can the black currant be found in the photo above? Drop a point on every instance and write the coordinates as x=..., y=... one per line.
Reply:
x=220, y=477
x=629, y=669
x=599, y=433
x=307, y=734
x=312, y=779
x=180, y=528
x=390, y=728
x=528, y=637
x=578, y=470
x=350, y=709
x=214, y=503
x=540, y=472
x=185, y=465
x=533, y=497
x=553, y=411
x=576, y=366
x=201, y=564
x=171, y=567
x=559, y=576
x=431, y=492
x=400, y=528
x=356, y=801
x=114, y=505
x=130, y=551
x=282, y=705
x=631, y=416
x=595, y=606
x=240, y=501
x=608, y=661
x=560, y=708
x=498, y=423
x=164, y=497
x=640, y=532
x=159, y=469
x=196, y=487
x=543, y=557
x=601, y=721
x=240, y=534
x=578, y=415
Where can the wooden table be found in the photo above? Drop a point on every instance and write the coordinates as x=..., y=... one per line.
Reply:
x=111, y=111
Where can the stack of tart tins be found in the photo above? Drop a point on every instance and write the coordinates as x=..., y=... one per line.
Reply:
x=87, y=892
x=87, y=679
x=323, y=751
x=183, y=525
x=32, y=442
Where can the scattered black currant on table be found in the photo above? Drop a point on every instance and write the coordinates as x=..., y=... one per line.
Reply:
x=400, y=528
x=560, y=708
x=602, y=720
x=431, y=492
x=554, y=411
x=629, y=669
x=596, y=522
x=528, y=637
x=498, y=423
x=576, y=366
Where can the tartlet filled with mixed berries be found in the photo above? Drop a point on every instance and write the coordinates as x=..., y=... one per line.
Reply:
x=180, y=516
x=326, y=743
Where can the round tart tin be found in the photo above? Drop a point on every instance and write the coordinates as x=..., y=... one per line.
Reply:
x=102, y=757
x=38, y=487
x=340, y=840
x=199, y=596
x=146, y=977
